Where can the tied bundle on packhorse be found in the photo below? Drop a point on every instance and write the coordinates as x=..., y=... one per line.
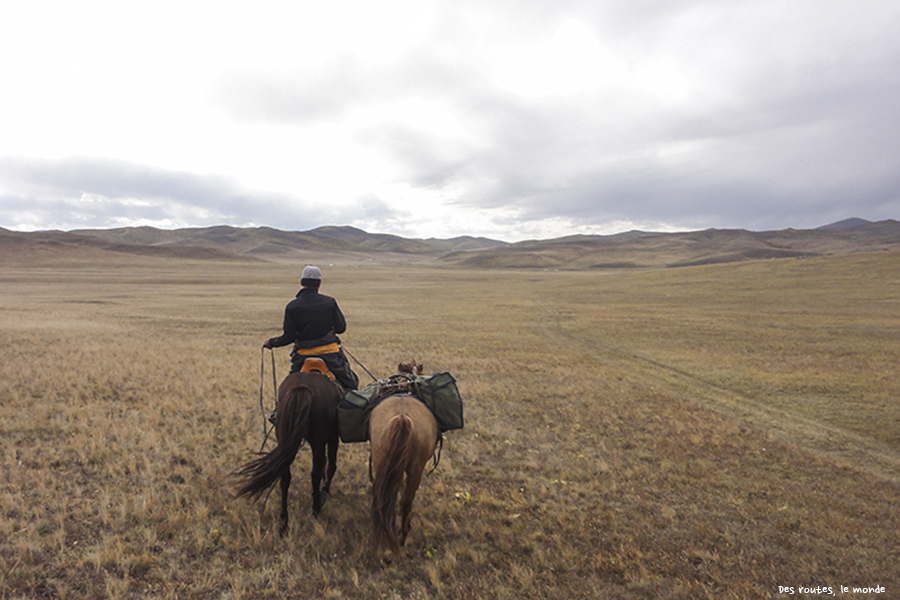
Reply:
x=437, y=392
x=404, y=435
x=306, y=410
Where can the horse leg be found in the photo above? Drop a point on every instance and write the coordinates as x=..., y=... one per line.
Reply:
x=333, y=444
x=318, y=469
x=285, y=484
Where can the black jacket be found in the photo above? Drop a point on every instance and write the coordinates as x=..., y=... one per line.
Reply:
x=311, y=320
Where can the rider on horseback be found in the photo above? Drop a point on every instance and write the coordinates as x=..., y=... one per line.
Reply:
x=312, y=322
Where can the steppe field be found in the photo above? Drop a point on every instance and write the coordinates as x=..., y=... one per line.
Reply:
x=727, y=431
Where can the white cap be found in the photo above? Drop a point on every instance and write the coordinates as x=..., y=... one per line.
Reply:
x=311, y=272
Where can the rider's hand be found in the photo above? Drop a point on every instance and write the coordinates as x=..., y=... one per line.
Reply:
x=267, y=344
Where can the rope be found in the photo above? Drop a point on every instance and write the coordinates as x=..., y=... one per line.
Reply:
x=274, y=381
x=262, y=377
x=267, y=430
x=436, y=457
x=359, y=363
x=400, y=383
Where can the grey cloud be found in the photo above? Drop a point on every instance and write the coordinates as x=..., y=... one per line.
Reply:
x=776, y=113
x=370, y=206
x=96, y=192
x=373, y=213
x=428, y=161
x=796, y=143
x=113, y=179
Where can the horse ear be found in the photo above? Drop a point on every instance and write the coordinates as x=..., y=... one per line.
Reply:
x=421, y=369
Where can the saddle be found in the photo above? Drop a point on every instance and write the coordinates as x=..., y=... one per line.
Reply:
x=316, y=365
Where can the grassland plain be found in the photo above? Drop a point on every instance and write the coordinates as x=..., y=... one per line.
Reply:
x=705, y=432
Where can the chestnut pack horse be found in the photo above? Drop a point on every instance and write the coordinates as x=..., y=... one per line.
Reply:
x=403, y=435
x=306, y=410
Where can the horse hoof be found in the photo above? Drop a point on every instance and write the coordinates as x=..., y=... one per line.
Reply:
x=318, y=506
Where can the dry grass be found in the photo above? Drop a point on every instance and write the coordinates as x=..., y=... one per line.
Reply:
x=708, y=432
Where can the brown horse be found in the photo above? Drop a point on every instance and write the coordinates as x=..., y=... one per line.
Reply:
x=404, y=435
x=306, y=410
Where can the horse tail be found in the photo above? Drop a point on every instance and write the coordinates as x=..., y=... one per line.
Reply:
x=292, y=427
x=388, y=480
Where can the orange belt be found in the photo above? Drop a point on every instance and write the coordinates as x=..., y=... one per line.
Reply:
x=327, y=349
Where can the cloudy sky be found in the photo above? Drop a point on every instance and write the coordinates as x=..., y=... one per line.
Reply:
x=507, y=119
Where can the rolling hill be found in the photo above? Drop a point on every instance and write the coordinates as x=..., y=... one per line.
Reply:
x=637, y=249
x=631, y=250
x=54, y=246
x=269, y=241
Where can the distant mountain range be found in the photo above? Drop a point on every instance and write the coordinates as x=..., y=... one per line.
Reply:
x=638, y=249
x=631, y=250
x=268, y=241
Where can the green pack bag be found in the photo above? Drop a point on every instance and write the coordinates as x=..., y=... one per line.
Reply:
x=353, y=413
x=440, y=394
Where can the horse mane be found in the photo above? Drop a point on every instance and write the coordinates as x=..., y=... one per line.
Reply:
x=411, y=367
x=387, y=484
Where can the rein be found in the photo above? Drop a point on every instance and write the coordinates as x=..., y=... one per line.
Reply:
x=362, y=366
x=267, y=429
x=262, y=372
